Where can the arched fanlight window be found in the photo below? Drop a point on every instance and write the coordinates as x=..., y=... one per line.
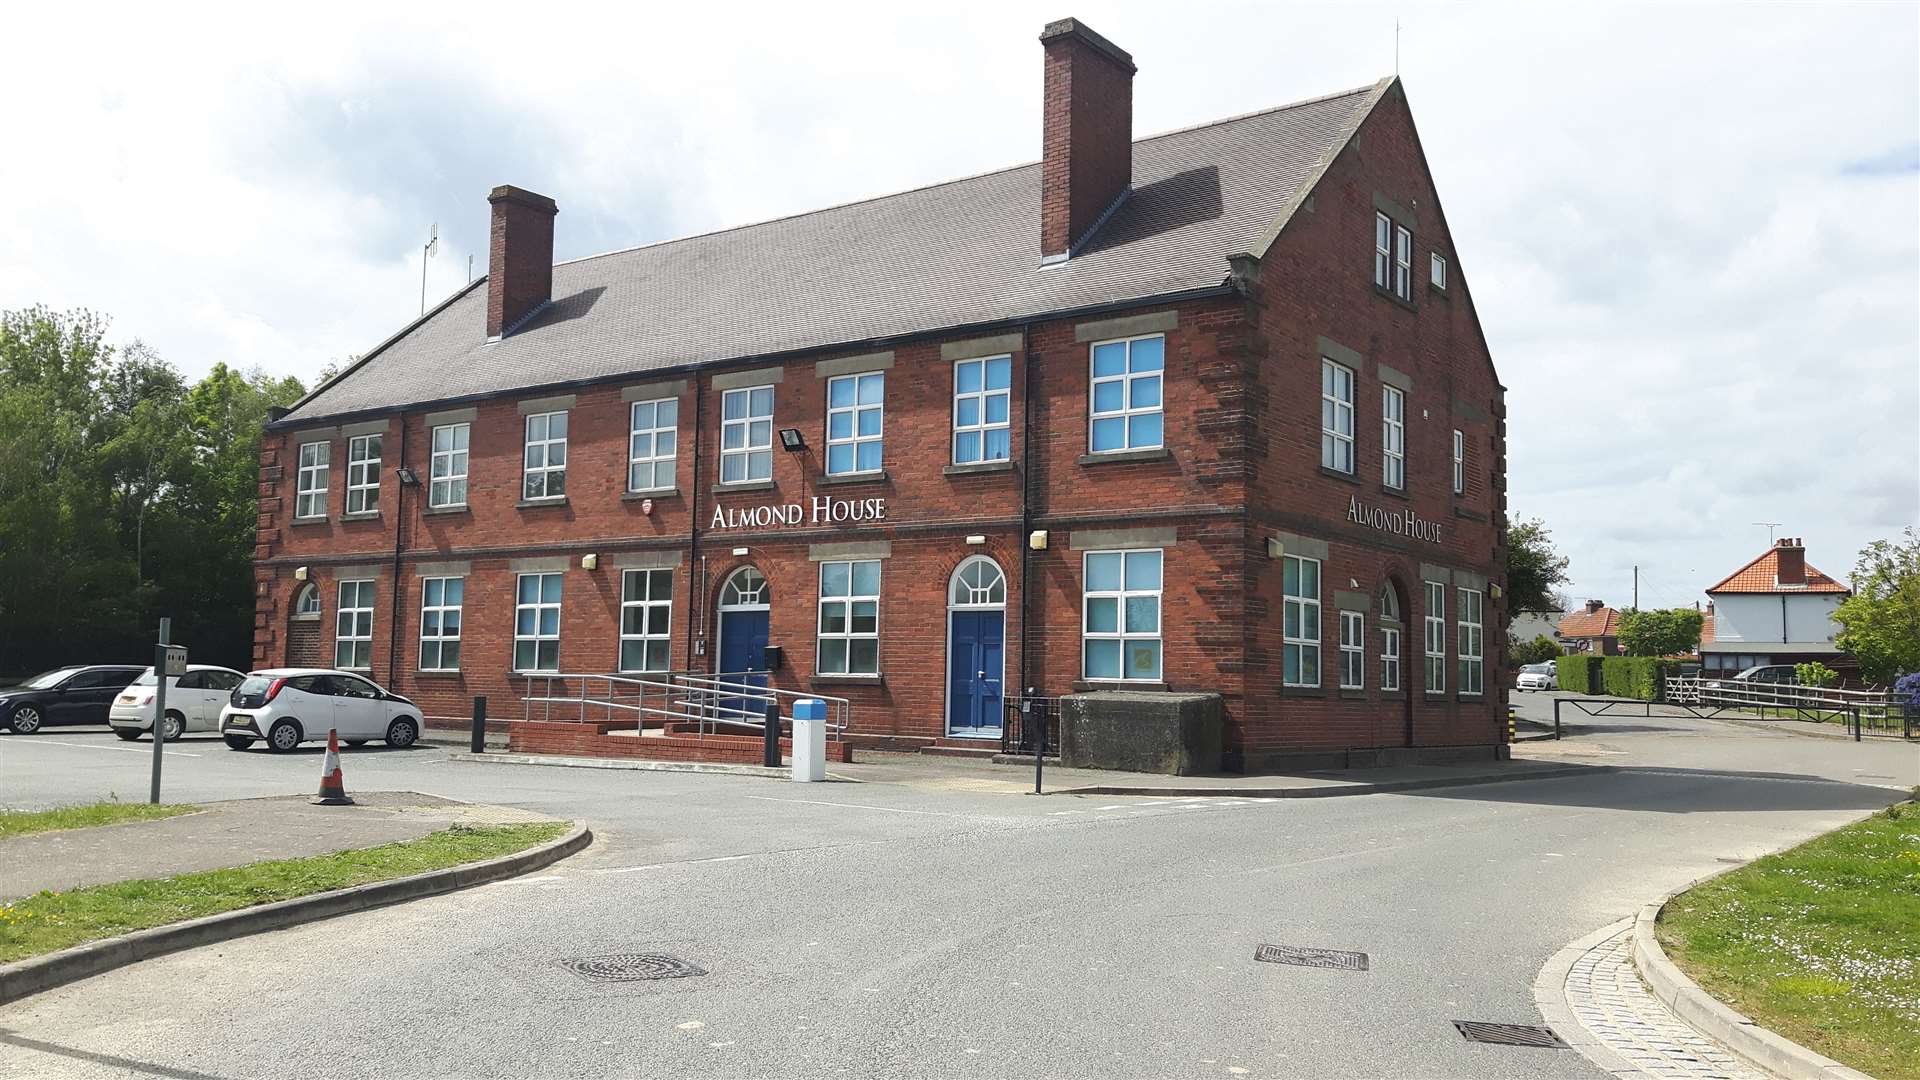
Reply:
x=1389, y=603
x=978, y=583
x=308, y=600
x=745, y=589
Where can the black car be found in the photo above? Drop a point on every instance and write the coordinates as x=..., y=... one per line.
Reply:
x=68, y=695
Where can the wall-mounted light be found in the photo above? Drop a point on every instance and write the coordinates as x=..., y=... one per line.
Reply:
x=976, y=539
x=407, y=476
x=1494, y=590
x=589, y=562
x=1275, y=549
x=1037, y=539
x=299, y=573
x=791, y=440
x=739, y=551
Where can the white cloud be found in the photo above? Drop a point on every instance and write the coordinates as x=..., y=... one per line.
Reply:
x=1691, y=231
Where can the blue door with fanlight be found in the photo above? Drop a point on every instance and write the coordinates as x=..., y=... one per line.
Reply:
x=743, y=649
x=974, y=673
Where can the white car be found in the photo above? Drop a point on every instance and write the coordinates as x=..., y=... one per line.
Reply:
x=1539, y=677
x=289, y=706
x=194, y=701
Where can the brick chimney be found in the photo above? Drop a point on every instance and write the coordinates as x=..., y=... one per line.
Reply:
x=1792, y=560
x=519, y=257
x=1086, y=158
x=1595, y=605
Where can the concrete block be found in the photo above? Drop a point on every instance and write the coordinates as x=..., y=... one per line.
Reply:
x=1138, y=731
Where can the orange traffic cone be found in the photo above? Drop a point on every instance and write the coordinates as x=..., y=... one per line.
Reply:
x=333, y=786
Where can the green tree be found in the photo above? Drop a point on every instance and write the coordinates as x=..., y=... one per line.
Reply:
x=1815, y=673
x=1880, y=622
x=1538, y=651
x=1535, y=571
x=1660, y=633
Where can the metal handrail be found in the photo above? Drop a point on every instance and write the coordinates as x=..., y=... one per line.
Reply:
x=707, y=701
x=1797, y=698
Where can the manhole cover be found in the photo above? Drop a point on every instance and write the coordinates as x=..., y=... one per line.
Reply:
x=1333, y=959
x=1510, y=1034
x=633, y=967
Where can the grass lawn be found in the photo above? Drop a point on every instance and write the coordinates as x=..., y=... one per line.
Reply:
x=50, y=921
x=22, y=822
x=1820, y=943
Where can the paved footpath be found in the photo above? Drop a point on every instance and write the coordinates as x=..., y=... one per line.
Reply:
x=1611, y=1002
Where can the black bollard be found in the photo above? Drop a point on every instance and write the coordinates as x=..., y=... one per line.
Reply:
x=480, y=725
x=771, y=758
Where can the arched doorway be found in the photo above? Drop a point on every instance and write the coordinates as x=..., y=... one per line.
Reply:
x=745, y=611
x=1393, y=653
x=305, y=644
x=976, y=648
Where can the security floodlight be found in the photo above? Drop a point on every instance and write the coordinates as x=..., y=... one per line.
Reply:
x=791, y=439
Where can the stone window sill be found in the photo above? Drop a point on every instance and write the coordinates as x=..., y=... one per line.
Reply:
x=1396, y=299
x=1350, y=694
x=299, y=521
x=427, y=673
x=1396, y=492
x=371, y=515
x=436, y=511
x=536, y=504
x=1470, y=515
x=650, y=493
x=743, y=485
x=847, y=680
x=1344, y=477
x=1108, y=457
x=1303, y=691
x=826, y=480
x=974, y=468
x=1082, y=686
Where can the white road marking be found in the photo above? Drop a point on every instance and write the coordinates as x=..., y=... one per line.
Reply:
x=147, y=750
x=663, y=865
x=533, y=880
x=859, y=806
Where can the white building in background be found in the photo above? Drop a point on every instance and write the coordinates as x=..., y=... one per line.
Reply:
x=1774, y=610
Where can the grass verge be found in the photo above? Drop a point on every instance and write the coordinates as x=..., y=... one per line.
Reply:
x=1820, y=943
x=50, y=921
x=22, y=822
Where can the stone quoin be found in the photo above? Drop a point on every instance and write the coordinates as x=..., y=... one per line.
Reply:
x=1204, y=412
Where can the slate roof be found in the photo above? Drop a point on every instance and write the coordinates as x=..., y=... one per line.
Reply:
x=956, y=255
x=1591, y=624
x=1762, y=574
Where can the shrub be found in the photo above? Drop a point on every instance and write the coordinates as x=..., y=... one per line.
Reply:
x=1815, y=673
x=1578, y=674
x=1907, y=688
x=1538, y=651
x=1642, y=677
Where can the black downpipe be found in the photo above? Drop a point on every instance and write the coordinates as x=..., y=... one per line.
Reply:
x=399, y=523
x=694, y=588
x=1026, y=509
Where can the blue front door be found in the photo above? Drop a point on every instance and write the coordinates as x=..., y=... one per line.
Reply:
x=743, y=648
x=974, y=673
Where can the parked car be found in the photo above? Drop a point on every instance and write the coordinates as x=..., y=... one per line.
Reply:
x=289, y=706
x=1762, y=675
x=194, y=701
x=1539, y=677
x=78, y=694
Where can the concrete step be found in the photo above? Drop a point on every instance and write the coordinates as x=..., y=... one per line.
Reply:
x=986, y=752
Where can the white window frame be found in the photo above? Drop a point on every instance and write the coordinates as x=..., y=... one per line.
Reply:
x=349, y=629
x=654, y=603
x=551, y=474
x=441, y=638
x=309, y=591
x=538, y=606
x=1127, y=380
x=446, y=468
x=1120, y=598
x=749, y=452
x=1471, y=643
x=1353, y=650
x=1382, y=250
x=657, y=435
x=363, y=473
x=1434, y=639
x=854, y=439
x=310, y=481
x=1333, y=408
x=1459, y=462
x=1389, y=658
x=1402, y=262
x=1393, y=437
x=1299, y=613
x=1437, y=269
x=981, y=399
x=846, y=604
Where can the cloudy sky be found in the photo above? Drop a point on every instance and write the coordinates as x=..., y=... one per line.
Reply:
x=1693, y=231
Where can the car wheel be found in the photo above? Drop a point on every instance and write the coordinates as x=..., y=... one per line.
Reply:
x=127, y=734
x=283, y=736
x=26, y=720
x=238, y=742
x=402, y=733
x=172, y=726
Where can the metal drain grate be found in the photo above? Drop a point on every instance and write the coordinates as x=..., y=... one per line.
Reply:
x=1511, y=1034
x=1332, y=959
x=633, y=967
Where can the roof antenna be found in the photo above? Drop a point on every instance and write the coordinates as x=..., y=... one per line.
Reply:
x=427, y=252
x=469, y=267
x=1771, y=525
x=1396, y=46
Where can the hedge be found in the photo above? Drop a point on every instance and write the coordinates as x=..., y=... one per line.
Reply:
x=1578, y=674
x=1642, y=677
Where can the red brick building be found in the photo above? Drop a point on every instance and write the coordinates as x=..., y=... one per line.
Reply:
x=1209, y=410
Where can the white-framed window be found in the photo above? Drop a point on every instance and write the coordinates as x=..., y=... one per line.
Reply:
x=653, y=438
x=1459, y=462
x=441, y=599
x=982, y=396
x=310, y=485
x=1402, y=262
x=536, y=623
x=1437, y=269
x=978, y=584
x=353, y=626
x=855, y=416
x=546, y=461
x=1126, y=391
x=1336, y=416
x=1300, y=621
x=1120, y=615
x=1353, y=650
x=646, y=615
x=363, y=474
x=746, y=435
x=1382, y=250
x=306, y=605
x=1436, y=637
x=1393, y=437
x=849, y=641
x=1470, y=643
x=447, y=479
x=1389, y=658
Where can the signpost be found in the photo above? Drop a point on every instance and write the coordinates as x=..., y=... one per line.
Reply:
x=169, y=662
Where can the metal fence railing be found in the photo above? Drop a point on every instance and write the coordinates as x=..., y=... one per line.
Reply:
x=1873, y=710
x=1026, y=717
x=717, y=704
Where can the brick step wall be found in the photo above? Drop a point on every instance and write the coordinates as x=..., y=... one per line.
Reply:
x=595, y=740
